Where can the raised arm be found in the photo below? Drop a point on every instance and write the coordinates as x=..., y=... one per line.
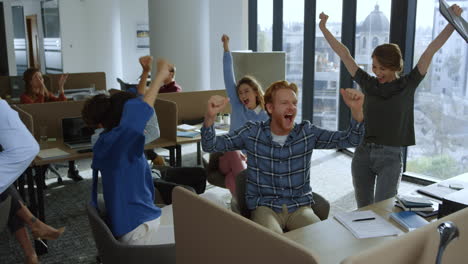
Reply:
x=145, y=62
x=61, y=83
x=354, y=99
x=437, y=43
x=228, y=72
x=215, y=105
x=337, y=46
x=162, y=73
x=225, y=40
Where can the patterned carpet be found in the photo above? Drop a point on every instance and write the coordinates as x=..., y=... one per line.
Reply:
x=65, y=206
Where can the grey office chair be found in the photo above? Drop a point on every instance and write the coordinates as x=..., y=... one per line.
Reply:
x=213, y=175
x=110, y=250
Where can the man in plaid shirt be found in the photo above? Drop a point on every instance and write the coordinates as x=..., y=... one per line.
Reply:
x=279, y=152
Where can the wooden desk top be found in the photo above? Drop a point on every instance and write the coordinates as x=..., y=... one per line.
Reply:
x=332, y=242
x=74, y=155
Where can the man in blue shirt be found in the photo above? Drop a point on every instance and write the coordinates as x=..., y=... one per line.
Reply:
x=127, y=182
x=279, y=151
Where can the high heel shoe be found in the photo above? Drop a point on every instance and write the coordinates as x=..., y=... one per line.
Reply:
x=47, y=234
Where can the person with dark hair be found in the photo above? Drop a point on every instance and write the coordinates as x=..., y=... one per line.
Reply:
x=170, y=85
x=388, y=113
x=278, y=190
x=18, y=148
x=127, y=181
x=246, y=98
x=37, y=92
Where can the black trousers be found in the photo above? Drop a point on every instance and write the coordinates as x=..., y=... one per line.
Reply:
x=14, y=222
x=189, y=177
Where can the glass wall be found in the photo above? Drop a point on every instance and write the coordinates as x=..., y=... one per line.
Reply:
x=52, y=40
x=19, y=41
x=441, y=101
x=265, y=25
x=372, y=29
x=293, y=45
x=327, y=67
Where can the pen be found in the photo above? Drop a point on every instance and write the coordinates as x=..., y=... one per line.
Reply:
x=364, y=219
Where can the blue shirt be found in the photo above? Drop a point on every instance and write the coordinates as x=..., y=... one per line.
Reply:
x=126, y=177
x=276, y=174
x=240, y=113
x=19, y=146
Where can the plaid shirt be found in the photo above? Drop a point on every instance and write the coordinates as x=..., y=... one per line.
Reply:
x=276, y=174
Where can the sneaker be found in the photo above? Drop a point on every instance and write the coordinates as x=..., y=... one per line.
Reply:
x=74, y=175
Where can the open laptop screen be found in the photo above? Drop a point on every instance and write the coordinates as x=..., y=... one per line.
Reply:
x=74, y=130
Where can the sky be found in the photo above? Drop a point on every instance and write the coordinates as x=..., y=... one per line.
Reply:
x=294, y=10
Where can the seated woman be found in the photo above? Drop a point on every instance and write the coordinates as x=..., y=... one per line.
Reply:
x=18, y=149
x=246, y=98
x=36, y=92
x=127, y=181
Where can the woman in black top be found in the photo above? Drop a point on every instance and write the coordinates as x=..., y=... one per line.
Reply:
x=388, y=113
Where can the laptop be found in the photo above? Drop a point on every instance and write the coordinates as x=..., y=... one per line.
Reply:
x=76, y=134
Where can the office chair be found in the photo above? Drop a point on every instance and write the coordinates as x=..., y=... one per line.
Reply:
x=215, y=177
x=111, y=250
x=125, y=86
x=208, y=233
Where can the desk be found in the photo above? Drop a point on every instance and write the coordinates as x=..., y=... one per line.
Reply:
x=196, y=139
x=332, y=242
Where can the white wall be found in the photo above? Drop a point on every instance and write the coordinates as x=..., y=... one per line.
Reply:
x=9, y=37
x=231, y=18
x=179, y=33
x=91, y=37
x=188, y=33
x=132, y=13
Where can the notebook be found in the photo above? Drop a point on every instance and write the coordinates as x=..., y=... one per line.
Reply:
x=409, y=220
x=366, y=224
x=75, y=133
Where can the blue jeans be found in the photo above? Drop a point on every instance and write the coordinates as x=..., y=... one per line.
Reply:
x=376, y=171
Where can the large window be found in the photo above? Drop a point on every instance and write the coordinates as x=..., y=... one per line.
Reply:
x=293, y=45
x=52, y=40
x=327, y=67
x=372, y=29
x=19, y=41
x=441, y=102
x=265, y=25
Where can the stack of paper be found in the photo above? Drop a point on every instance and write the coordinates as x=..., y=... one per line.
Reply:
x=185, y=127
x=366, y=224
x=415, y=203
x=52, y=153
x=189, y=134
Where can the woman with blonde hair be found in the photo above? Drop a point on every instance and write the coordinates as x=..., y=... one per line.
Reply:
x=246, y=98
